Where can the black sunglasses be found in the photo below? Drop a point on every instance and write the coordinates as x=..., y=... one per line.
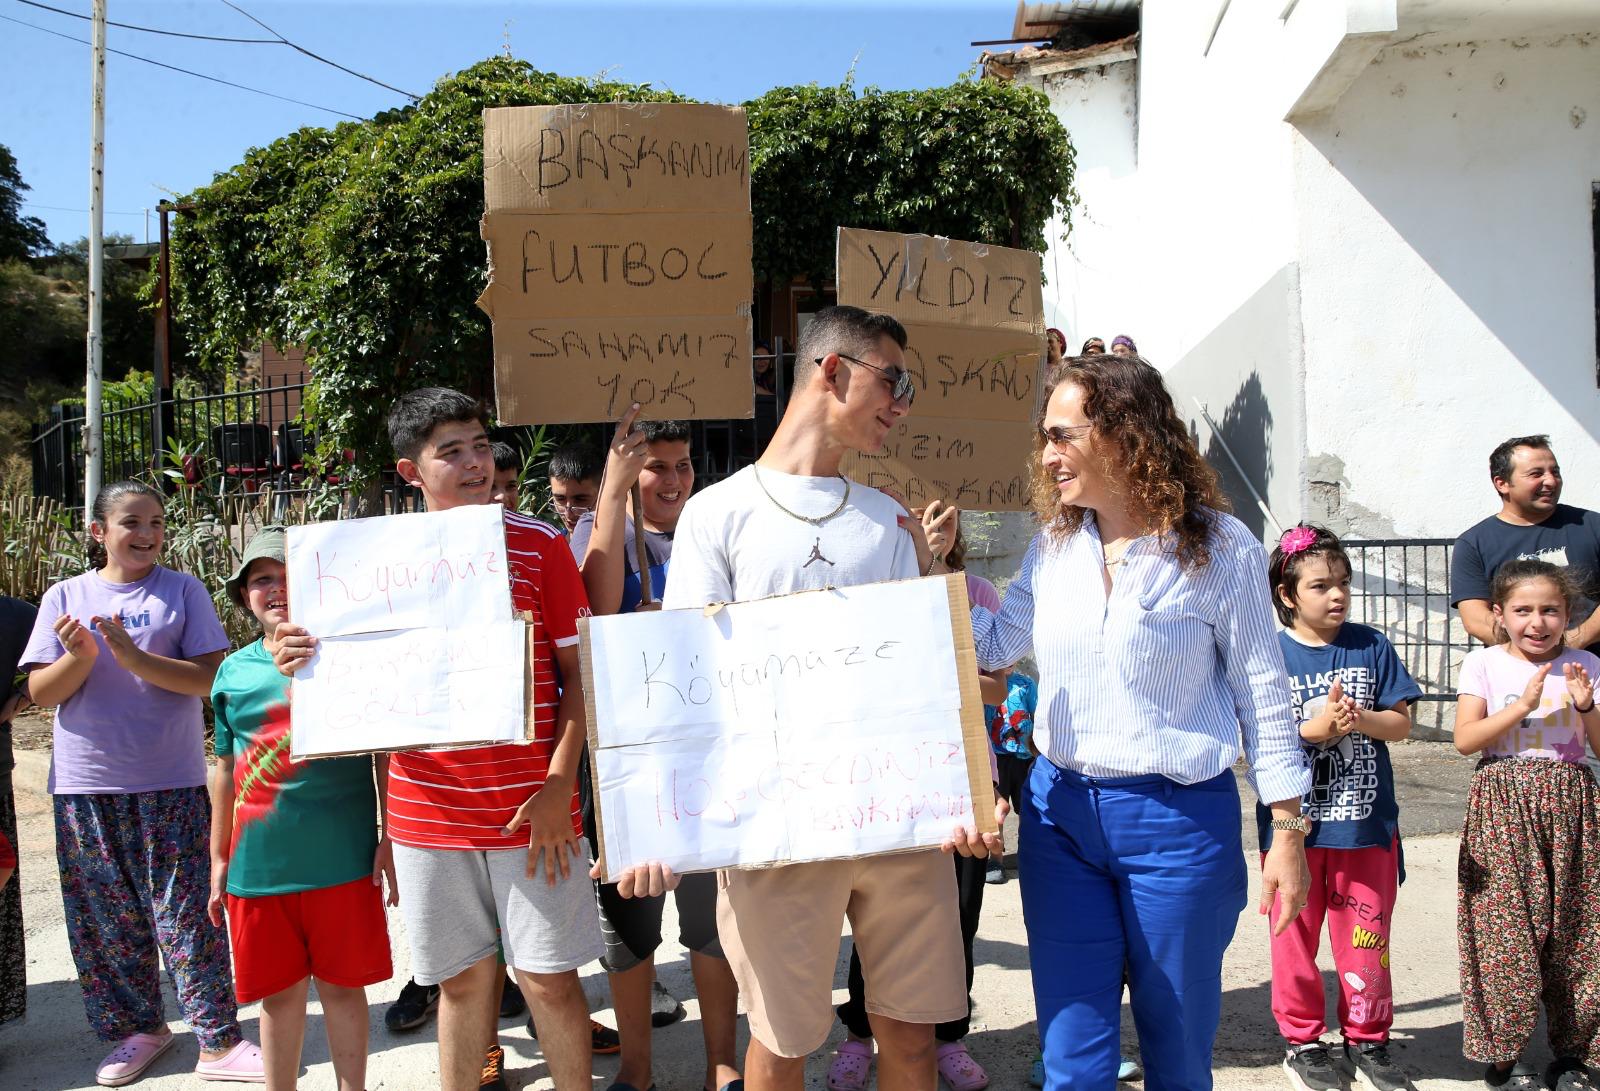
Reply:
x=900, y=384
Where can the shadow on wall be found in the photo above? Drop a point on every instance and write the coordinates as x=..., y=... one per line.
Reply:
x=1245, y=430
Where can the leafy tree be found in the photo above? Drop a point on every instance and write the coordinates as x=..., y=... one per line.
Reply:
x=361, y=242
x=20, y=236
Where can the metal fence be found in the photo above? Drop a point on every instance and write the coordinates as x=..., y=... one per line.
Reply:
x=247, y=441
x=1401, y=587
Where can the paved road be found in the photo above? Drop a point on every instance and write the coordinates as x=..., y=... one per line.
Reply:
x=53, y=1049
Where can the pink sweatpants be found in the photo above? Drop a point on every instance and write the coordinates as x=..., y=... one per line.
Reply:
x=1354, y=889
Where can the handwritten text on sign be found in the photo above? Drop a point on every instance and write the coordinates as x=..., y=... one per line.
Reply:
x=416, y=644
x=804, y=727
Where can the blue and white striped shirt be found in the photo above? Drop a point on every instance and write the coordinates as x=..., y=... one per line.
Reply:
x=1162, y=676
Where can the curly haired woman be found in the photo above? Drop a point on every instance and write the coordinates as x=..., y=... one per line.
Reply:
x=1146, y=607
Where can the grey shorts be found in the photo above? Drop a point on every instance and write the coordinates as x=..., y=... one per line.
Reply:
x=459, y=903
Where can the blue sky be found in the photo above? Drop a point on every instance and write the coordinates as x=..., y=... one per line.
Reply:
x=167, y=133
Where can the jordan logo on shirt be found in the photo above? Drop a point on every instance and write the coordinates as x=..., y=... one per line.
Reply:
x=816, y=555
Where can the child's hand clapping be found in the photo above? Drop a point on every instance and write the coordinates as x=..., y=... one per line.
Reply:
x=1533, y=694
x=77, y=639
x=1580, y=686
x=1337, y=719
x=118, y=642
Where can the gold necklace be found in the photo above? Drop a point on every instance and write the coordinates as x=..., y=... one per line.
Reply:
x=815, y=521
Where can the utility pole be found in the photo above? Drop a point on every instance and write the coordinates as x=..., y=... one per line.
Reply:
x=93, y=438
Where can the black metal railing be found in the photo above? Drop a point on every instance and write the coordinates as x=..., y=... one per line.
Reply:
x=1401, y=587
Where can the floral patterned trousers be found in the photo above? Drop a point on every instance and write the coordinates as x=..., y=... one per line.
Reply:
x=1528, y=909
x=135, y=876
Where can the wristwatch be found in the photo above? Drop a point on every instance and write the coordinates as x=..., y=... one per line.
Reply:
x=1299, y=824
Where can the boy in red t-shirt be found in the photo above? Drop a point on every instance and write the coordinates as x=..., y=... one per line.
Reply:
x=488, y=842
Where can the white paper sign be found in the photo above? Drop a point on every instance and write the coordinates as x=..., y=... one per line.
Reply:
x=804, y=727
x=400, y=571
x=416, y=643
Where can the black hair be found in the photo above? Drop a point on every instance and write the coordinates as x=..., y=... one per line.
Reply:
x=1513, y=574
x=850, y=331
x=576, y=462
x=106, y=501
x=668, y=431
x=505, y=456
x=1283, y=571
x=414, y=416
x=1500, y=457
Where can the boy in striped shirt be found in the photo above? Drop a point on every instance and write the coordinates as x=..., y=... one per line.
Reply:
x=488, y=840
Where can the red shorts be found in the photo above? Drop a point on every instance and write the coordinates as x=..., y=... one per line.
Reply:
x=8, y=855
x=338, y=934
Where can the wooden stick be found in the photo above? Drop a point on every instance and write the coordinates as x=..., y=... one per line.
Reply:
x=641, y=554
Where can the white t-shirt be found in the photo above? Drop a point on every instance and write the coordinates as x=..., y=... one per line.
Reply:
x=733, y=543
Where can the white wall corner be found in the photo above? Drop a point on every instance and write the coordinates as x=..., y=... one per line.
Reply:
x=1327, y=45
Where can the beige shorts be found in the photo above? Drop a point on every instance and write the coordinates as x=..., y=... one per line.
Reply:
x=780, y=929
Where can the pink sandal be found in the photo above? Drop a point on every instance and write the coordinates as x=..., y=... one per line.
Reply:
x=958, y=1068
x=241, y=1064
x=133, y=1055
x=852, y=1062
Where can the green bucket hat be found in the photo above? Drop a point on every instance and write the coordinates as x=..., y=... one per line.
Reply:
x=268, y=543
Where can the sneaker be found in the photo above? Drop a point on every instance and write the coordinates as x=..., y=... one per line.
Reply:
x=664, y=1007
x=1036, y=1073
x=493, y=1079
x=1520, y=1077
x=1310, y=1068
x=603, y=1041
x=410, y=1010
x=1128, y=1070
x=511, y=1002
x=1373, y=1068
x=1570, y=1074
x=995, y=873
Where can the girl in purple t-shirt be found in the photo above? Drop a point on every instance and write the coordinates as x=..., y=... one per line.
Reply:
x=1528, y=912
x=126, y=652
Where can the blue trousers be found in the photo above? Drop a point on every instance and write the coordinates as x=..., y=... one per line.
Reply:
x=1139, y=872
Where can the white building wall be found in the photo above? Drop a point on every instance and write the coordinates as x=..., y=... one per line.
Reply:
x=1447, y=269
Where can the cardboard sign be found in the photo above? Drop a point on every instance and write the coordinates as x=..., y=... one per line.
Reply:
x=417, y=645
x=974, y=318
x=928, y=279
x=756, y=734
x=620, y=261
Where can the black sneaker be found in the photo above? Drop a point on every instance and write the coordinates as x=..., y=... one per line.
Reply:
x=664, y=1007
x=410, y=1010
x=1570, y=1074
x=603, y=1041
x=1310, y=1068
x=493, y=1079
x=1373, y=1068
x=995, y=873
x=511, y=1002
x=1521, y=1076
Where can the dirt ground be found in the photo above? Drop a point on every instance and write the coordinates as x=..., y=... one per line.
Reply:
x=53, y=1050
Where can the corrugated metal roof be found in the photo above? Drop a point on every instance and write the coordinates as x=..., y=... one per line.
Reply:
x=1043, y=20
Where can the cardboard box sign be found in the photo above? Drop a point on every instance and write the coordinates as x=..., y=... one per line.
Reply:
x=974, y=464
x=931, y=279
x=648, y=263
x=973, y=373
x=619, y=243
x=615, y=156
x=574, y=370
x=815, y=726
x=974, y=318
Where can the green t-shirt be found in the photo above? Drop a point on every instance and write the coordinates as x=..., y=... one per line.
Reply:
x=297, y=825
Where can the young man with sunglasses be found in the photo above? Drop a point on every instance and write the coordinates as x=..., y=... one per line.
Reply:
x=793, y=522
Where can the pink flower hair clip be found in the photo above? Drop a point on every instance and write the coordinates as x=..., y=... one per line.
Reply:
x=1297, y=540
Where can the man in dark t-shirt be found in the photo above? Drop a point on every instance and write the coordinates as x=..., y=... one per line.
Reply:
x=1532, y=523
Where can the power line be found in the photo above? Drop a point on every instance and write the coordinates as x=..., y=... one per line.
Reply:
x=316, y=57
x=62, y=208
x=187, y=72
x=152, y=30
